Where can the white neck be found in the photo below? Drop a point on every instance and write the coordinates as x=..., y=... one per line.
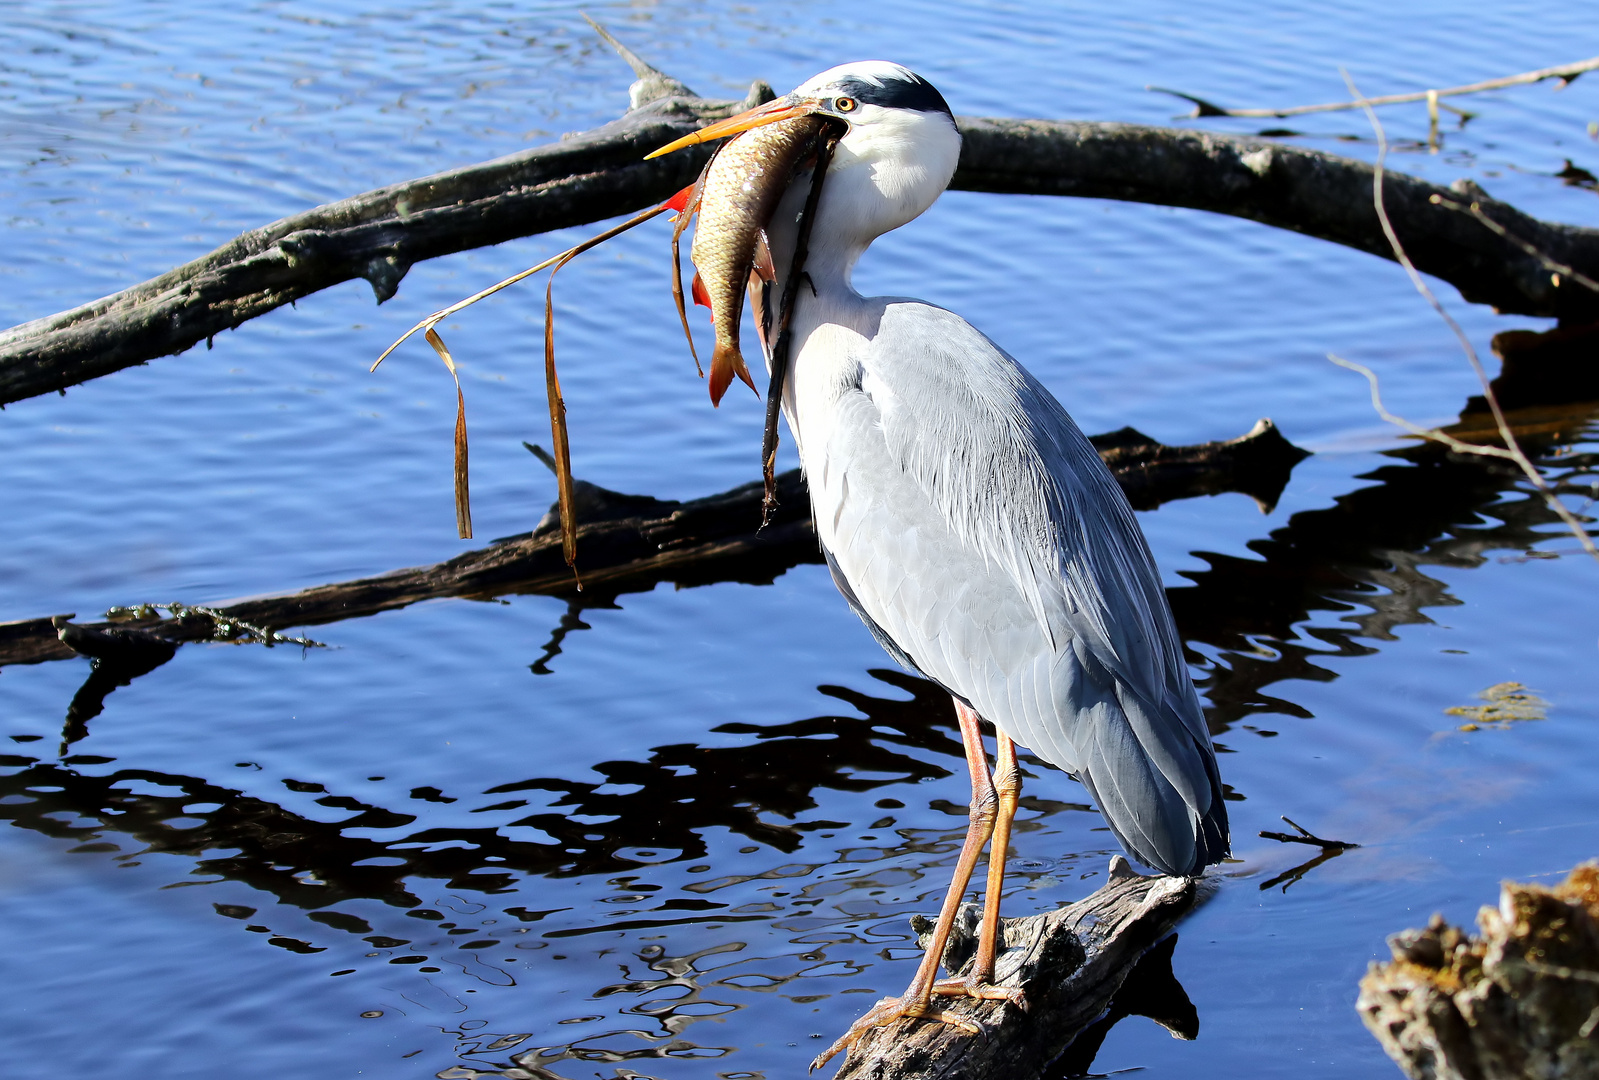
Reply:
x=889, y=168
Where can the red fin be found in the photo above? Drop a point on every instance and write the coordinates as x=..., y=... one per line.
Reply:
x=680, y=201
x=726, y=362
x=701, y=297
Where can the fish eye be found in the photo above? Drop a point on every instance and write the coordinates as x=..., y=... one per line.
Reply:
x=844, y=104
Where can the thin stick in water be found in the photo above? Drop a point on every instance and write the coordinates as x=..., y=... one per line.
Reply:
x=1566, y=73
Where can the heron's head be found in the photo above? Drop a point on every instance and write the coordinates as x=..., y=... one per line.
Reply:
x=897, y=154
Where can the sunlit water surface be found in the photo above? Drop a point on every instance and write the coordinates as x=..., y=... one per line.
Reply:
x=692, y=847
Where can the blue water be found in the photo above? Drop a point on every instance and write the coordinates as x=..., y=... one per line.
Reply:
x=694, y=845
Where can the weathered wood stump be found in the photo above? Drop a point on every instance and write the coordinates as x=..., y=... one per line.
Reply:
x=1070, y=962
x=1521, y=1001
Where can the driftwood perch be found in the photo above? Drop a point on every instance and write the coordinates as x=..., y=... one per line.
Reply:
x=1521, y=1001
x=628, y=543
x=598, y=174
x=1071, y=962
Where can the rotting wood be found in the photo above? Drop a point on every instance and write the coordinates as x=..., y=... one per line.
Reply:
x=632, y=542
x=1521, y=1000
x=1070, y=962
x=598, y=174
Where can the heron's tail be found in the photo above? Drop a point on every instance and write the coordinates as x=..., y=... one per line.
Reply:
x=1155, y=780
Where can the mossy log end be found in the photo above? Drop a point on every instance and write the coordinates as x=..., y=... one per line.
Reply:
x=1520, y=1001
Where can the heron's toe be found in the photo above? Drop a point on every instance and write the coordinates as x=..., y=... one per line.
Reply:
x=982, y=991
x=889, y=1010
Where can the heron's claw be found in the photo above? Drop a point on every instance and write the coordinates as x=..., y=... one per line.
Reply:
x=887, y=1011
x=982, y=991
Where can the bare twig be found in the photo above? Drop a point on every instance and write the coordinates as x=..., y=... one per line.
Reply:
x=1566, y=73
x=1512, y=448
x=1307, y=837
x=1474, y=208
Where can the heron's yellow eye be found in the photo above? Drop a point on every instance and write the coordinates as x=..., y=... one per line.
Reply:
x=844, y=104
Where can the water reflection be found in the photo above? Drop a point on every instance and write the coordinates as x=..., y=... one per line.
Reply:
x=829, y=875
x=1364, y=558
x=758, y=790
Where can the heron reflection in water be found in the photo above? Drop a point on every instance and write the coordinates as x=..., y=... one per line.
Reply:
x=971, y=525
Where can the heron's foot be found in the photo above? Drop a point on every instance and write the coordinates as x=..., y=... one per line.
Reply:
x=982, y=991
x=887, y=1011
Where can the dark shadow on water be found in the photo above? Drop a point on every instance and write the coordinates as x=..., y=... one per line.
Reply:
x=1151, y=990
x=682, y=789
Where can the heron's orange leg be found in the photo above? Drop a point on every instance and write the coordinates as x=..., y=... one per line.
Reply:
x=979, y=982
x=916, y=1001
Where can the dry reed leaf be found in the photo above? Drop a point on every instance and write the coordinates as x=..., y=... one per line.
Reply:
x=463, y=497
x=463, y=507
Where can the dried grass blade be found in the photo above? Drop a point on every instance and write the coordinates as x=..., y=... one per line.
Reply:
x=463, y=494
x=690, y=208
x=444, y=313
x=677, y=296
x=563, y=453
x=463, y=502
x=552, y=389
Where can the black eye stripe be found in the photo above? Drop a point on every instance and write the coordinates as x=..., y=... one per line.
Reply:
x=916, y=93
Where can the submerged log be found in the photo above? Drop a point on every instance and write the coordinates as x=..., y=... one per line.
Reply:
x=1070, y=962
x=1522, y=1000
x=629, y=543
x=598, y=174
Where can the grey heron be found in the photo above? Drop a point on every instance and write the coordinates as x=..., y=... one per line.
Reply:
x=972, y=526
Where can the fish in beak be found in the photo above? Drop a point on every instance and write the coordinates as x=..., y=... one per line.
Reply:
x=738, y=193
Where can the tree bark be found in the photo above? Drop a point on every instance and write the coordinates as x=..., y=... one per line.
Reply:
x=600, y=174
x=1070, y=962
x=632, y=542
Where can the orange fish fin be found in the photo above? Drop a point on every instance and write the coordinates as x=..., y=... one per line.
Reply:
x=701, y=297
x=726, y=362
x=680, y=201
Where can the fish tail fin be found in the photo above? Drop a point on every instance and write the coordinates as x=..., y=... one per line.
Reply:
x=726, y=362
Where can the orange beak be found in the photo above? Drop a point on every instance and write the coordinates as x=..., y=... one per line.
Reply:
x=782, y=109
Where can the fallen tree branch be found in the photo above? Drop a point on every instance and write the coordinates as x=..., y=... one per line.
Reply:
x=632, y=542
x=600, y=174
x=377, y=235
x=1512, y=449
x=1301, y=190
x=1071, y=962
x=1566, y=73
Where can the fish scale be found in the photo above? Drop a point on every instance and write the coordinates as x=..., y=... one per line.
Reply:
x=741, y=189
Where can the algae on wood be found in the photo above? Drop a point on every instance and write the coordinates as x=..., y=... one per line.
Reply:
x=1520, y=1001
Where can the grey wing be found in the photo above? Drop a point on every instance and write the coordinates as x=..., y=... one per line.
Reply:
x=982, y=539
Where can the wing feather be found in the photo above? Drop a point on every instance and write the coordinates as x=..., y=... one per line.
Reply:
x=971, y=524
